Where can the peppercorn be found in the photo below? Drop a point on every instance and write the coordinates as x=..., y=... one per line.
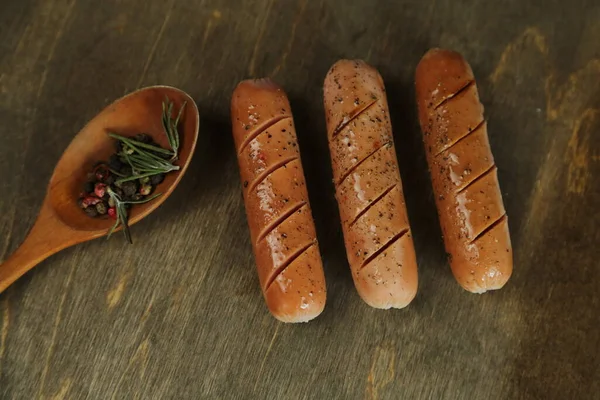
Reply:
x=157, y=179
x=101, y=208
x=145, y=189
x=110, y=179
x=144, y=138
x=100, y=189
x=126, y=170
x=91, y=211
x=114, y=163
x=88, y=187
x=112, y=213
x=129, y=188
x=101, y=173
x=90, y=201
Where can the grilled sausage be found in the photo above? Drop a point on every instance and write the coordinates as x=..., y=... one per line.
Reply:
x=369, y=192
x=463, y=172
x=279, y=215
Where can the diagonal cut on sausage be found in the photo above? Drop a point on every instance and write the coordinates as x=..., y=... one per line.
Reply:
x=463, y=172
x=368, y=188
x=279, y=216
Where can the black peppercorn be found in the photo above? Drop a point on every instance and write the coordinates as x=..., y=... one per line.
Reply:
x=126, y=170
x=144, y=138
x=114, y=163
x=88, y=187
x=91, y=211
x=129, y=188
x=157, y=179
x=110, y=179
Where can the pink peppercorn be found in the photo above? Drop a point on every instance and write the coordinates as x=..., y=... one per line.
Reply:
x=89, y=201
x=100, y=189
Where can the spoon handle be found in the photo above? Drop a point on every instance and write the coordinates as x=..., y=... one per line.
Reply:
x=47, y=237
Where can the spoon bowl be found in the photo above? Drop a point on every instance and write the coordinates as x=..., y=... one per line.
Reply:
x=61, y=222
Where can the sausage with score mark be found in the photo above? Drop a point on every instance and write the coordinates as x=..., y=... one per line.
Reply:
x=279, y=216
x=463, y=172
x=378, y=238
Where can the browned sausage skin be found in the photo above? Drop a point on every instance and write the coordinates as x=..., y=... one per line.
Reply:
x=463, y=172
x=368, y=187
x=279, y=215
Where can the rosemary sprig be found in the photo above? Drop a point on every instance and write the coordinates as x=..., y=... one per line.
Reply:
x=143, y=162
x=146, y=159
x=170, y=125
x=121, y=211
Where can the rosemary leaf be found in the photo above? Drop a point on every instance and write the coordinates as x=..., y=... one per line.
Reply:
x=170, y=126
x=122, y=215
x=135, y=143
x=135, y=177
x=140, y=162
x=112, y=171
x=126, y=157
x=112, y=229
x=158, y=168
x=176, y=124
x=150, y=156
x=150, y=162
x=166, y=120
x=147, y=199
x=117, y=201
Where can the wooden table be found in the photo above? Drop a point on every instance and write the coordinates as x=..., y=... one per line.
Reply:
x=179, y=314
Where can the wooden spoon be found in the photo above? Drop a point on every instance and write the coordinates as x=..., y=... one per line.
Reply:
x=61, y=223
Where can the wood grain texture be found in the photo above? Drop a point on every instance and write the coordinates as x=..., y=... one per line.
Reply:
x=179, y=314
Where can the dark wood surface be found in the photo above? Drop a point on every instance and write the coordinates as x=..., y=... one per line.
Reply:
x=180, y=315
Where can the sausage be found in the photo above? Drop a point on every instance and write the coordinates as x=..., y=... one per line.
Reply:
x=281, y=226
x=463, y=172
x=377, y=234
